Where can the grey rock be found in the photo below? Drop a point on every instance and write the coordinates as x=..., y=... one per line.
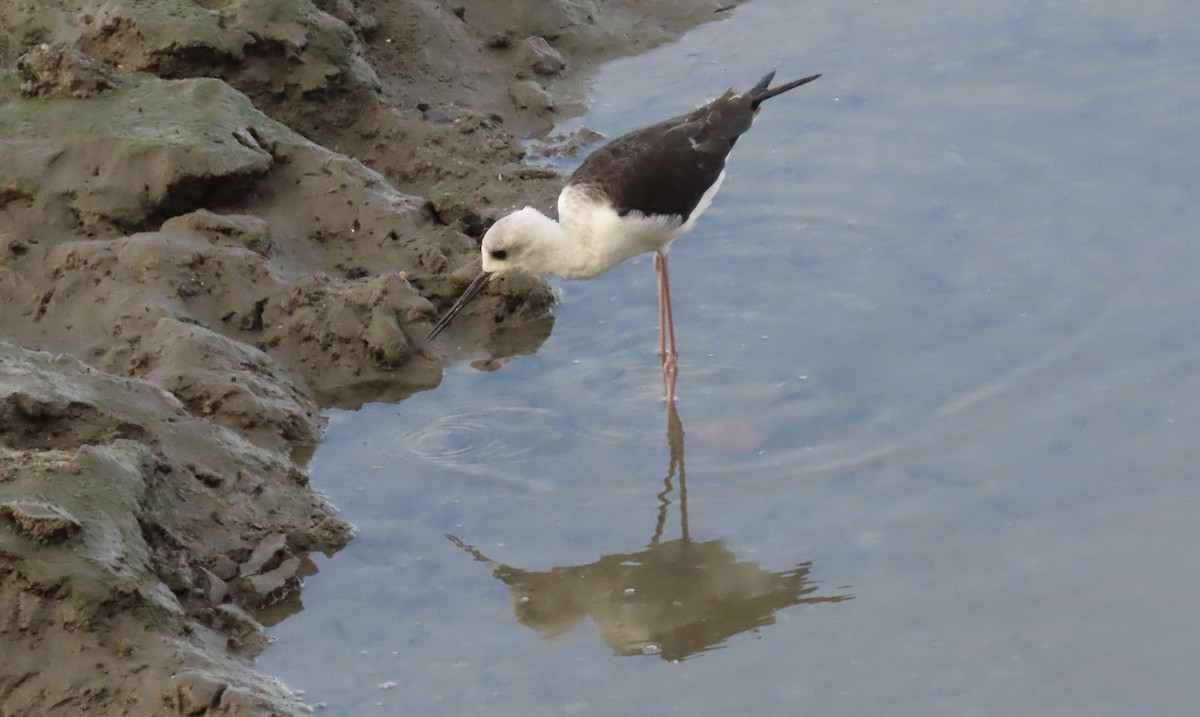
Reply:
x=529, y=95
x=537, y=56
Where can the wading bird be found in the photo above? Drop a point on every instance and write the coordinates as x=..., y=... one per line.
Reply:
x=634, y=195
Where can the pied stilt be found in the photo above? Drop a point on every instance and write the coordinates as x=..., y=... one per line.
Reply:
x=634, y=195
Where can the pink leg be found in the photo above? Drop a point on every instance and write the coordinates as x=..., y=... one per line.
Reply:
x=662, y=303
x=666, y=323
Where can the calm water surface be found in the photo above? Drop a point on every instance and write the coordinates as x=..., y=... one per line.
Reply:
x=938, y=411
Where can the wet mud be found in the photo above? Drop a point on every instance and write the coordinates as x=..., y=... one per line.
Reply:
x=217, y=219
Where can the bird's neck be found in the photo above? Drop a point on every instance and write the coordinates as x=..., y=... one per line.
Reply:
x=563, y=249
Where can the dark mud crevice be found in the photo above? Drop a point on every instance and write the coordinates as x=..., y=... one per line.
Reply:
x=194, y=61
x=27, y=423
x=192, y=193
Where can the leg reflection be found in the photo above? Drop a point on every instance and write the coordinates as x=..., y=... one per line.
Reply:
x=675, y=467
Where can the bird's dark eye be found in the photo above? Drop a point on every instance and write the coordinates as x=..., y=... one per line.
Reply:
x=499, y=254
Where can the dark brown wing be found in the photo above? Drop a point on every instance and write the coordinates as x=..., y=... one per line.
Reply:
x=664, y=169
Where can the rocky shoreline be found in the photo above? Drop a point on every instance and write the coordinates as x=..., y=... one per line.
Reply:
x=217, y=219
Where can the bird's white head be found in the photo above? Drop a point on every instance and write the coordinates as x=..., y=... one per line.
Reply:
x=523, y=241
x=526, y=241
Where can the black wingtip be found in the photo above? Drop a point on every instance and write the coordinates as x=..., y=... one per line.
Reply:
x=763, y=84
x=759, y=93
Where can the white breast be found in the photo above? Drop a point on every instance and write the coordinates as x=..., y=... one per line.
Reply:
x=604, y=239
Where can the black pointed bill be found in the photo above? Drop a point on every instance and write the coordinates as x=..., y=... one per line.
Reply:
x=476, y=286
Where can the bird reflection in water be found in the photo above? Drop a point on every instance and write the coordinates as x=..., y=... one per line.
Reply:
x=676, y=598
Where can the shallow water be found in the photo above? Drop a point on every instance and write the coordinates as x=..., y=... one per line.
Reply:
x=940, y=360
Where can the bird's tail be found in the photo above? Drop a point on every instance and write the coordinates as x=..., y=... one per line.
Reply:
x=760, y=92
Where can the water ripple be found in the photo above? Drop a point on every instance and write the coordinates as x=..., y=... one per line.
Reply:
x=487, y=442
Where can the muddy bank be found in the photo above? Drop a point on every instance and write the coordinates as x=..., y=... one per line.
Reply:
x=216, y=219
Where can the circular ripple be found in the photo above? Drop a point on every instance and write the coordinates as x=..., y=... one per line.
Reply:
x=487, y=436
